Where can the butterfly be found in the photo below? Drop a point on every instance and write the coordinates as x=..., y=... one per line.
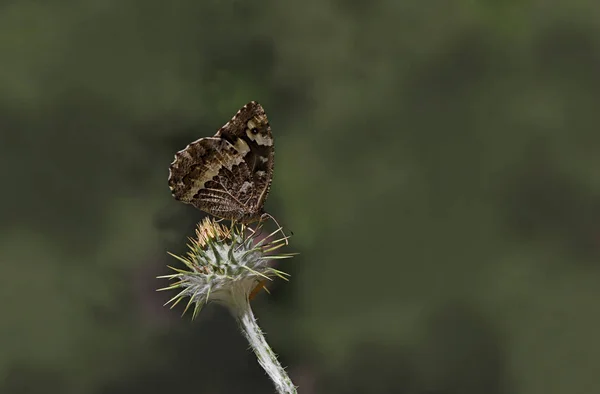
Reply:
x=228, y=175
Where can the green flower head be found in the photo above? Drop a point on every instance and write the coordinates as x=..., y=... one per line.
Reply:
x=225, y=265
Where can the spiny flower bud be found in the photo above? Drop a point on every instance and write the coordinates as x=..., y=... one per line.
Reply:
x=225, y=265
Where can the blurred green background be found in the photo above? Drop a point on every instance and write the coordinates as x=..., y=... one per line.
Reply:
x=436, y=160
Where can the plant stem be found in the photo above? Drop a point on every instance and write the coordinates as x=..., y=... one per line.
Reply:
x=266, y=357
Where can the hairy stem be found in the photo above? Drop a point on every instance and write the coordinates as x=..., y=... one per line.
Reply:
x=266, y=357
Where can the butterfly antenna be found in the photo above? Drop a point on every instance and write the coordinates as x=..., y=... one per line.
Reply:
x=285, y=237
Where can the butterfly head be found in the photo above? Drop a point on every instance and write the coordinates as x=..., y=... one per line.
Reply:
x=253, y=217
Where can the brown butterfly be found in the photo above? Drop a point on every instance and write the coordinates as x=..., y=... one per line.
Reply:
x=228, y=175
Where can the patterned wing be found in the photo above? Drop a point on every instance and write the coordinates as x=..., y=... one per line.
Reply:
x=251, y=125
x=228, y=175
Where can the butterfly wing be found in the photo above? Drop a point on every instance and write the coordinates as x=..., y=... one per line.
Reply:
x=228, y=175
x=251, y=125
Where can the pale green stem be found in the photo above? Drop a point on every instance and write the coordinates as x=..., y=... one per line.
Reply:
x=266, y=357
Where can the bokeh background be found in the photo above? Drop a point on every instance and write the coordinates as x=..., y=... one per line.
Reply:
x=436, y=160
